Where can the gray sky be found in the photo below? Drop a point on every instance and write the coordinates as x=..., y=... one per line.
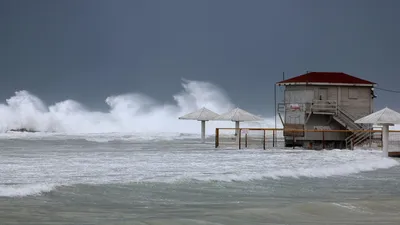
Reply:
x=89, y=49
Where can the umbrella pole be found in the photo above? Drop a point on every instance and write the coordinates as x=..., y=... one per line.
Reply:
x=203, y=131
x=385, y=139
x=237, y=130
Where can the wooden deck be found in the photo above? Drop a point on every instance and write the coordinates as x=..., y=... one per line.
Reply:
x=394, y=154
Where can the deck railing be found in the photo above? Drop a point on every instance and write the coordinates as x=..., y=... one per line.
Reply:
x=324, y=106
x=269, y=138
x=316, y=106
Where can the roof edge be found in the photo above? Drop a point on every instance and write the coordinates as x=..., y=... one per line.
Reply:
x=324, y=84
x=310, y=77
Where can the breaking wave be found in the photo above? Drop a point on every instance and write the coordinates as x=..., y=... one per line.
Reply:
x=131, y=168
x=132, y=112
x=25, y=190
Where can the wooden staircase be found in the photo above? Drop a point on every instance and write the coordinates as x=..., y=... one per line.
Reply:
x=360, y=132
x=346, y=119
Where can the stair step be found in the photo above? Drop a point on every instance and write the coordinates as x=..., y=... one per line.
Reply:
x=343, y=123
x=349, y=122
x=339, y=120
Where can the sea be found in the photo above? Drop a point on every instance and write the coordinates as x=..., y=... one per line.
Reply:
x=116, y=178
x=134, y=162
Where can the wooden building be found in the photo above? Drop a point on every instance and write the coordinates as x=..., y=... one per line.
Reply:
x=325, y=101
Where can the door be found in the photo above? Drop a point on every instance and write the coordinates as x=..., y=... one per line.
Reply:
x=323, y=94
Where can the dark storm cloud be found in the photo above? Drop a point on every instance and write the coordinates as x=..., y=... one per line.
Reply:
x=87, y=50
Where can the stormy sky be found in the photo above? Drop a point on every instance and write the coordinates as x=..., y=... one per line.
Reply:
x=90, y=49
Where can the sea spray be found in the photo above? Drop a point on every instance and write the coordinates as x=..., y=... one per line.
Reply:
x=131, y=112
x=25, y=189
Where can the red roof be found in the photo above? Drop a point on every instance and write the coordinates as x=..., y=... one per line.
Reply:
x=326, y=78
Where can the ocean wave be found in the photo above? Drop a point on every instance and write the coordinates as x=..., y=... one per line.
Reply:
x=131, y=112
x=344, y=169
x=25, y=190
x=178, y=166
x=102, y=137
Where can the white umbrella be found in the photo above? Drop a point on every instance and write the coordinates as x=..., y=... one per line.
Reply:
x=238, y=115
x=385, y=117
x=203, y=115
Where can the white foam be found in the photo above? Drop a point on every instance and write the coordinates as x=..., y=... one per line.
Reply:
x=132, y=112
x=351, y=207
x=288, y=166
x=101, y=137
x=67, y=167
x=336, y=170
x=25, y=190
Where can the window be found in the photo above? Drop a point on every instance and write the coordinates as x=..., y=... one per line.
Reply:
x=353, y=93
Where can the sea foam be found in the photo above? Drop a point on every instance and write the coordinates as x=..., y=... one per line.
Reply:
x=41, y=172
x=131, y=112
x=25, y=190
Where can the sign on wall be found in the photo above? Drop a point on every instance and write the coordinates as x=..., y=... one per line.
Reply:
x=296, y=105
x=322, y=128
x=295, y=113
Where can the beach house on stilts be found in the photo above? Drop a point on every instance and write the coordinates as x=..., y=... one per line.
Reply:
x=325, y=101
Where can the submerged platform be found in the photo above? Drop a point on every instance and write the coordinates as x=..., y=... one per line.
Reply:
x=394, y=154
